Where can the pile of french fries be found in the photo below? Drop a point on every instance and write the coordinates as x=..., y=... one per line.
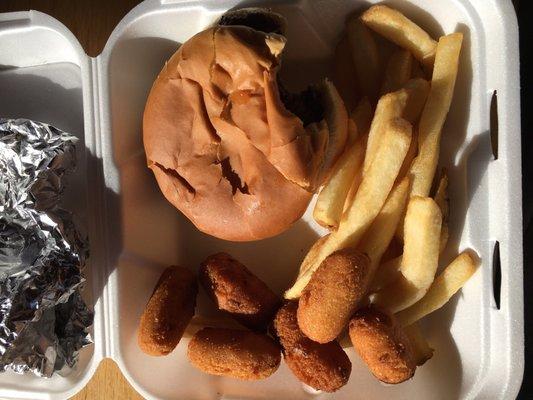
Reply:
x=379, y=195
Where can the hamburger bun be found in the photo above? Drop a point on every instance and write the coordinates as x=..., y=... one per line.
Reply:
x=228, y=146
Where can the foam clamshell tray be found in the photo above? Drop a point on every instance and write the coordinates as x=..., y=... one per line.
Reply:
x=134, y=233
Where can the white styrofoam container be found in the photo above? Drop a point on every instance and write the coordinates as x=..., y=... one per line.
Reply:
x=45, y=75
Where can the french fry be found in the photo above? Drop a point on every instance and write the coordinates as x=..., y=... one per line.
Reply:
x=386, y=273
x=377, y=238
x=420, y=256
x=353, y=134
x=368, y=201
x=444, y=236
x=311, y=254
x=394, y=250
x=442, y=289
x=389, y=106
x=399, y=229
x=421, y=349
x=365, y=57
x=406, y=102
x=353, y=189
x=377, y=182
x=434, y=113
x=397, y=72
x=330, y=203
x=362, y=116
x=389, y=271
x=409, y=157
x=396, y=27
x=441, y=198
x=418, y=90
x=441, y=195
x=416, y=70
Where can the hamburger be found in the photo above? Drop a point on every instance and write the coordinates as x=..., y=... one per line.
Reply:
x=229, y=146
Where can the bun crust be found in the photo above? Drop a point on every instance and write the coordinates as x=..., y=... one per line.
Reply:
x=224, y=149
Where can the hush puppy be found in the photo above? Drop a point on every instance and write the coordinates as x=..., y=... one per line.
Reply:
x=383, y=345
x=322, y=366
x=237, y=291
x=234, y=353
x=168, y=311
x=333, y=294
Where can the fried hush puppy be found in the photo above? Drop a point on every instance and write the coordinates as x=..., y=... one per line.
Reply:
x=382, y=345
x=237, y=291
x=322, y=366
x=168, y=311
x=234, y=353
x=333, y=294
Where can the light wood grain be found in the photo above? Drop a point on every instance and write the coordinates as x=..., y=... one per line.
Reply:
x=108, y=383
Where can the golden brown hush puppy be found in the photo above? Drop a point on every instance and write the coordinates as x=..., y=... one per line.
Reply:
x=237, y=291
x=322, y=366
x=382, y=345
x=234, y=353
x=333, y=294
x=168, y=311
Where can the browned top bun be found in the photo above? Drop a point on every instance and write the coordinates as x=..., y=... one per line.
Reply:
x=222, y=145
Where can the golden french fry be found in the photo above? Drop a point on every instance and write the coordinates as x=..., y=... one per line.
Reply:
x=377, y=181
x=422, y=230
x=386, y=273
x=362, y=116
x=397, y=72
x=353, y=133
x=409, y=157
x=404, y=171
x=399, y=230
x=311, y=254
x=406, y=102
x=421, y=349
x=396, y=27
x=389, y=106
x=441, y=195
x=365, y=57
x=418, y=90
x=389, y=271
x=442, y=202
x=441, y=198
x=353, y=189
x=444, y=236
x=420, y=256
x=442, y=289
x=368, y=201
x=434, y=113
x=343, y=73
x=378, y=237
x=330, y=203
x=416, y=70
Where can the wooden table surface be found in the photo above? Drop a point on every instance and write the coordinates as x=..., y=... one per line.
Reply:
x=92, y=21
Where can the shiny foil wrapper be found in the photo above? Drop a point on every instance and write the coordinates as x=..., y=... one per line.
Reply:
x=43, y=319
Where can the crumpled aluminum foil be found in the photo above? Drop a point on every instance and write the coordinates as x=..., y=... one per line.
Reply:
x=43, y=318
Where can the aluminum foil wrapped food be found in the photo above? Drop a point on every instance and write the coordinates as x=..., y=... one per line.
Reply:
x=43, y=319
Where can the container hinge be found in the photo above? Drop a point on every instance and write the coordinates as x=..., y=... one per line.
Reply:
x=99, y=248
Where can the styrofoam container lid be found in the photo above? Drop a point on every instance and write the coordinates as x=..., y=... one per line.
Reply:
x=135, y=233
